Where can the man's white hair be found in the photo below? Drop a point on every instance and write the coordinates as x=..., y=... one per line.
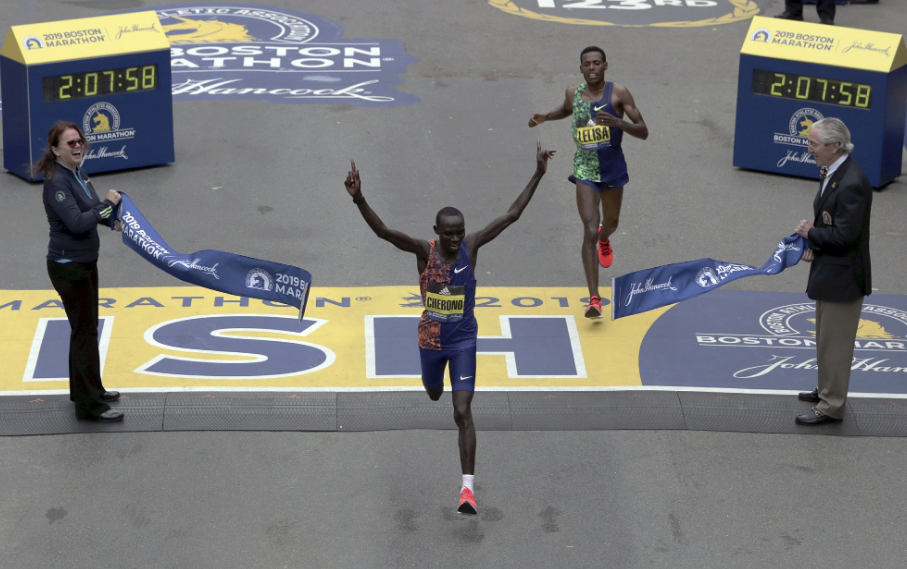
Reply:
x=832, y=130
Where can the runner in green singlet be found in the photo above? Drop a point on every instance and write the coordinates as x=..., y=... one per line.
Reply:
x=599, y=168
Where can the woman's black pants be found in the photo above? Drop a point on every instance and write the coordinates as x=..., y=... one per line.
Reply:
x=77, y=285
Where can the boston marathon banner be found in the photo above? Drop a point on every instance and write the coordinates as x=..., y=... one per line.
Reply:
x=653, y=288
x=217, y=270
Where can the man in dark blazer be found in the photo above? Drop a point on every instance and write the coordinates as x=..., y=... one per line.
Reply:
x=840, y=274
x=793, y=10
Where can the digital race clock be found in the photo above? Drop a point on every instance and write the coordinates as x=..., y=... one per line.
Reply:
x=109, y=75
x=100, y=83
x=814, y=89
x=794, y=74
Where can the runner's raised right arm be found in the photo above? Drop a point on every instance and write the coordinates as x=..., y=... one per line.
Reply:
x=402, y=241
x=562, y=112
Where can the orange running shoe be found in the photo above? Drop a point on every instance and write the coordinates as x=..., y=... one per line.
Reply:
x=594, y=309
x=467, y=502
x=605, y=254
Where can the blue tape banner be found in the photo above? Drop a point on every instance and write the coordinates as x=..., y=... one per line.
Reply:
x=660, y=286
x=216, y=270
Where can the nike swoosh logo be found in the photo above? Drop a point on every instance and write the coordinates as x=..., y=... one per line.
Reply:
x=601, y=107
x=464, y=378
x=460, y=270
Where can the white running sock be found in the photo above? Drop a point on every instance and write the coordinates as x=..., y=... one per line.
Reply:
x=468, y=480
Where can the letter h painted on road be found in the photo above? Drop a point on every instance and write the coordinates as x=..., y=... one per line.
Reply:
x=533, y=346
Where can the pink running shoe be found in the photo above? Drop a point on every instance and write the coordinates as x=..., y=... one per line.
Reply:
x=467, y=502
x=605, y=254
x=594, y=309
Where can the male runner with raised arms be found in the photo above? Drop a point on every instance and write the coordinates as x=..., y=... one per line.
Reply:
x=599, y=168
x=448, y=328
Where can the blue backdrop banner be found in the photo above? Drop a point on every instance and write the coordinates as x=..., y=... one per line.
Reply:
x=217, y=270
x=653, y=288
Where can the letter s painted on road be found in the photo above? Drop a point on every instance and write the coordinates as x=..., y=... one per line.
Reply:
x=266, y=357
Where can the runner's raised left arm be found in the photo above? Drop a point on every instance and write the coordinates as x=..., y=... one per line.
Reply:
x=493, y=229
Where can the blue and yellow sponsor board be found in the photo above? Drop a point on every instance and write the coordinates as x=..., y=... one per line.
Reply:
x=85, y=38
x=825, y=45
x=109, y=75
x=793, y=74
x=351, y=338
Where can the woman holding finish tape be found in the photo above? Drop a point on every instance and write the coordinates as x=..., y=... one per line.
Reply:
x=74, y=213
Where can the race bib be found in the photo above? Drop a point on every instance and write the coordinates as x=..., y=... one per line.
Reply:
x=593, y=136
x=445, y=303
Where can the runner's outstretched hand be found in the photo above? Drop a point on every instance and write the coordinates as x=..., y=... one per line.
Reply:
x=352, y=182
x=542, y=156
x=536, y=119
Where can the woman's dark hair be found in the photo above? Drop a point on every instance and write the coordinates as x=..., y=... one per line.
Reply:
x=46, y=164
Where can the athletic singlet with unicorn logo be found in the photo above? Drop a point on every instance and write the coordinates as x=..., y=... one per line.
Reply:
x=449, y=295
x=598, y=157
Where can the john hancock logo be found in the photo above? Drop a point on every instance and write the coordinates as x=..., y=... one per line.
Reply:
x=236, y=51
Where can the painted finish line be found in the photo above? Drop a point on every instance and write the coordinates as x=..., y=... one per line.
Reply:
x=364, y=338
x=175, y=338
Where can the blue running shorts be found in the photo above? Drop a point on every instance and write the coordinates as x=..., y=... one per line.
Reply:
x=462, y=368
x=602, y=186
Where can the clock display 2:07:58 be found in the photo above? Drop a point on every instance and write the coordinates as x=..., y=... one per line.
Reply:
x=100, y=83
x=815, y=89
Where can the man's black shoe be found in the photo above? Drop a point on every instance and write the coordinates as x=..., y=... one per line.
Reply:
x=109, y=416
x=828, y=22
x=789, y=16
x=110, y=396
x=814, y=417
x=811, y=396
x=864, y=1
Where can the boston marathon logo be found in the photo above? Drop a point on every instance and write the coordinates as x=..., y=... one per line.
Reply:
x=794, y=326
x=767, y=340
x=33, y=42
x=231, y=51
x=798, y=127
x=762, y=35
x=880, y=344
x=101, y=124
x=661, y=13
x=260, y=279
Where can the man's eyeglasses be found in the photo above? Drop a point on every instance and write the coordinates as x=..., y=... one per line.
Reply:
x=74, y=143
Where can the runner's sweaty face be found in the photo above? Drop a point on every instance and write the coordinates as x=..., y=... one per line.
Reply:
x=593, y=67
x=451, y=230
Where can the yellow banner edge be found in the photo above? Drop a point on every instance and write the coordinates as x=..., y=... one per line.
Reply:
x=12, y=44
x=893, y=62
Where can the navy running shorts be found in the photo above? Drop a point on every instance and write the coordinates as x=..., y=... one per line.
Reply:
x=462, y=368
x=601, y=186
